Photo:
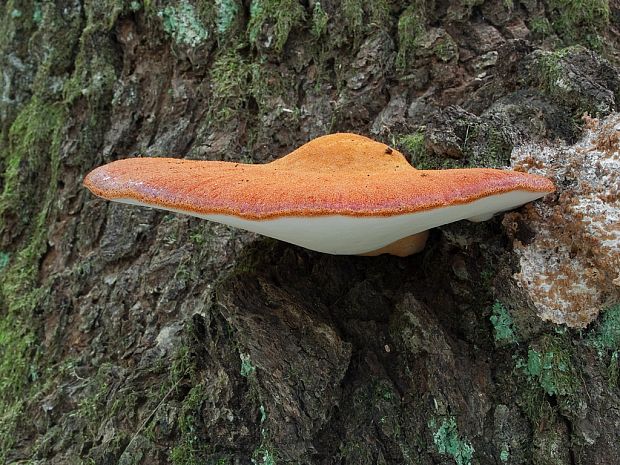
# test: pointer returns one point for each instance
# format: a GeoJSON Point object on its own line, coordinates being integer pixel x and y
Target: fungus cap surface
{"type": "Point", "coordinates": [341, 193]}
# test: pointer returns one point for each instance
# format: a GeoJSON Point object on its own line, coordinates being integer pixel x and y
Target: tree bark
{"type": "Point", "coordinates": [129, 335]}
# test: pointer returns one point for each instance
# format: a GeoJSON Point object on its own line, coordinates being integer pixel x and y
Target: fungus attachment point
{"type": "Point", "coordinates": [402, 247]}
{"type": "Point", "coordinates": [337, 194]}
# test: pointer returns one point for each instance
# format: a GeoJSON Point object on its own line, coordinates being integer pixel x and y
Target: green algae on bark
{"type": "Point", "coordinates": [35, 139]}
{"type": "Point", "coordinates": [448, 441]}
{"type": "Point", "coordinates": [549, 71]}
{"type": "Point", "coordinates": [502, 324]}
{"type": "Point", "coordinates": [580, 21]}
{"type": "Point", "coordinates": [30, 187]}
{"type": "Point", "coordinates": [606, 336]}
{"type": "Point", "coordinates": [182, 23]}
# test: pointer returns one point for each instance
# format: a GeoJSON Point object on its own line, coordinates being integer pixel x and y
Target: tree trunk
{"type": "Point", "coordinates": [129, 335]}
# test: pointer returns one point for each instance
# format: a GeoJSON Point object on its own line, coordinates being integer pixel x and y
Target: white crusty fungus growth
{"type": "Point", "coordinates": [341, 194]}
{"type": "Point", "coordinates": [570, 255]}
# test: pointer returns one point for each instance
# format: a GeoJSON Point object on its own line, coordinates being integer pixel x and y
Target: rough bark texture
{"type": "Point", "coordinates": [132, 336]}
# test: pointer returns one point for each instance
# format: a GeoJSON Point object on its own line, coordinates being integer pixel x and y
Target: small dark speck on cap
{"type": "Point", "coordinates": [388, 150]}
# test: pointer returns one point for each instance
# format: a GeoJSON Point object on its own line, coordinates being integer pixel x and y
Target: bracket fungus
{"type": "Point", "coordinates": [341, 194]}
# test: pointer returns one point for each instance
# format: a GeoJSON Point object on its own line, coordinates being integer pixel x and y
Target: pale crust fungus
{"type": "Point", "coordinates": [341, 194]}
{"type": "Point", "coordinates": [570, 255]}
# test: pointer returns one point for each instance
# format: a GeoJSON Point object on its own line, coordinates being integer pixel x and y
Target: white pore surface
{"type": "Point", "coordinates": [350, 235]}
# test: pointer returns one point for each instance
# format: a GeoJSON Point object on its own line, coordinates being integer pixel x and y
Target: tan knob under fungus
{"type": "Point", "coordinates": [341, 194]}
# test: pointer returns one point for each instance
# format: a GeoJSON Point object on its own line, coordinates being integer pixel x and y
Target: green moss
{"type": "Point", "coordinates": [15, 32]}
{"type": "Point", "coordinates": [230, 75]}
{"type": "Point", "coordinates": [201, 236]}
{"type": "Point", "coordinates": [548, 370]}
{"type": "Point", "coordinates": [235, 80]}
{"type": "Point", "coordinates": [102, 15]}
{"type": "Point", "coordinates": [606, 337]}
{"type": "Point", "coordinates": [551, 62]}
{"type": "Point", "coordinates": [540, 27]}
{"type": "Point", "coordinates": [184, 454]}
{"type": "Point", "coordinates": [382, 391]}
{"type": "Point", "coordinates": [33, 151]}
{"type": "Point", "coordinates": [358, 18]}
{"type": "Point", "coordinates": [446, 50]}
{"type": "Point", "coordinates": [378, 12]}
{"type": "Point", "coordinates": [353, 13]}
{"type": "Point", "coordinates": [190, 448]}
{"type": "Point", "coordinates": [54, 41]}
{"type": "Point", "coordinates": [267, 85]}
{"type": "Point", "coordinates": [534, 402]}
{"type": "Point", "coordinates": [182, 365]}
{"type": "Point", "coordinates": [549, 73]}
{"type": "Point", "coordinates": [480, 143]}
{"type": "Point", "coordinates": [606, 340]}
{"type": "Point", "coordinates": [502, 324]}
{"type": "Point", "coordinates": [30, 157]}
{"type": "Point", "coordinates": [448, 441]}
{"type": "Point", "coordinates": [413, 144]}
{"type": "Point", "coordinates": [93, 405]}
{"type": "Point", "coordinates": [183, 25]}
{"type": "Point", "coordinates": [411, 29]}
{"type": "Point", "coordinates": [319, 20]}
{"type": "Point", "coordinates": [30, 160]}
{"type": "Point", "coordinates": [190, 410]}
{"type": "Point", "coordinates": [497, 150]}
{"type": "Point", "coordinates": [282, 15]}
{"type": "Point", "coordinates": [92, 83]}
{"type": "Point", "coordinates": [579, 21]}
{"type": "Point", "coordinates": [93, 78]}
